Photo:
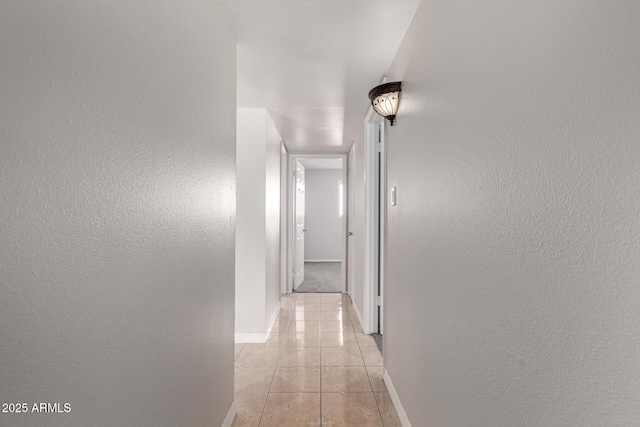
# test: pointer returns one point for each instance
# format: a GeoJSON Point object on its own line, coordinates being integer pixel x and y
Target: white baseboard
{"type": "Point", "coordinates": [250, 338]}
{"type": "Point", "coordinates": [322, 260]}
{"type": "Point", "coordinates": [355, 308]}
{"type": "Point", "coordinates": [242, 338]}
{"type": "Point", "coordinates": [272, 321]}
{"type": "Point", "coordinates": [402, 415]}
{"type": "Point", "coordinates": [230, 415]}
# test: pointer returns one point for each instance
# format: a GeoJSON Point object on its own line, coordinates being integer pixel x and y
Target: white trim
{"type": "Point", "coordinates": [357, 310]}
{"type": "Point", "coordinates": [291, 221]}
{"type": "Point", "coordinates": [349, 203]}
{"type": "Point", "coordinates": [283, 218]}
{"type": "Point", "coordinates": [341, 193]}
{"type": "Point", "coordinates": [291, 218]}
{"type": "Point", "coordinates": [402, 415]}
{"type": "Point", "coordinates": [272, 321]}
{"type": "Point", "coordinates": [242, 338]}
{"type": "Point", "coordinates": [382, 238]}
{"type": "Point", "coordinates": [230, 415]}
{"type": "Point", "coordinates": [322, 260]}
{"type": "Point", "coordinates": [371, 122]}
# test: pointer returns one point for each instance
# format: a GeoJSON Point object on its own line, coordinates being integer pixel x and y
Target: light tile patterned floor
{"type": "Point", "coordinates": [316, 369]}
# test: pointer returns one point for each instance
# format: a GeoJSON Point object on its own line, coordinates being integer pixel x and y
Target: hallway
{"type": "Point", "coordinates": [316, 369]}
{"type": "Point", "coordinates": [149, 158]}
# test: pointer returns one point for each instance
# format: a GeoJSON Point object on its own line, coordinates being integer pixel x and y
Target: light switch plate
{"type": "Point", "coordinates": [393, 196]}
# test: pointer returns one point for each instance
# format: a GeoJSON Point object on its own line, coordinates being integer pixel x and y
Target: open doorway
{"type": "Point", "coordinates": [317, 210]}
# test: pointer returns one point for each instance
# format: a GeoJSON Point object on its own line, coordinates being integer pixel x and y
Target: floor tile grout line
{"type": "Point", "coordinates": [372, 391]}
{"type": "Point", "coordinates": [371, 384]}
{"type": "Point", "coordinates": [321, 414]}
{"type": "Point", "coordinates": [291, 409]}
{"type": "Point", "coordinates": [264, 405]}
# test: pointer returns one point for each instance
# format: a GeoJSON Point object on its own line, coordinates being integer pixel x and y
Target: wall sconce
{"type": "Point", "coordinates": [385, 99]}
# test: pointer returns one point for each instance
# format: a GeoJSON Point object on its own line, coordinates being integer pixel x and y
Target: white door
{"type": "Point", "coordinates": [298, 268]}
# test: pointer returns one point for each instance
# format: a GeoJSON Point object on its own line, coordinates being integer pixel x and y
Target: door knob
{"type": "Point", "coordinates": [350, 233]}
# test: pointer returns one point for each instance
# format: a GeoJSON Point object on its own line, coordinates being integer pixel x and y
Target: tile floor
{"type": "Point", "coordinates": [316, 369]}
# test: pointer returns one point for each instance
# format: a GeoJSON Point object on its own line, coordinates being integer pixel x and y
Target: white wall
{"type": "Point", "coordinates": [258, 224]}
{"type": "Point", "coordinates": [323, 240]}
{"type": "Point", "coordinates": [118, 212]}
{"type": "Point", "coordinates": [272, 221]}
{"type": "Point", "coordinates": [512, 296]}
{"type": "Point", "coordinates": [250, 223]}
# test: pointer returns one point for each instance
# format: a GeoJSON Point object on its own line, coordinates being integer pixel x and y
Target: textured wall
{"type": "Point", "coordinates": [513, 295]}
{"type": "Point", "coordinates": [117, 212]}
{"type": "Point", "coordinates": [323, 240]}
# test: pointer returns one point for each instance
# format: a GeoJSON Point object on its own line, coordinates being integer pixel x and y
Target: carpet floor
{"type": "Point", "coordinates": [378, 339]}
{"type": "Point", "coordinates": [321, 277]}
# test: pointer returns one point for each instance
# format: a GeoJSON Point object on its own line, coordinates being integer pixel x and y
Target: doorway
{"type": "Point", "coordinates": [317, 208]}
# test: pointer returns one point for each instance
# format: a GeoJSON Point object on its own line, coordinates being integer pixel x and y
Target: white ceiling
{"type": "Point", "coordinates": [321, 163]}
{"type": "Point", "coordinates": [313, 62]}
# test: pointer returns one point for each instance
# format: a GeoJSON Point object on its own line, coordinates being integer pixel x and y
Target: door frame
{"type": "Point", "coordinates": [291, 193]}
{"type": "Point", "coordinates": [375, 210]}
{"type": "Point", "coordinates": [283, 218]}
{"type": "Point", "coordinates": [350, 210]}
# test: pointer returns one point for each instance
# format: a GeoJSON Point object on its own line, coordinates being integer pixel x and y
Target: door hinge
{"type": "Point", "coordinates": [378, 300]}
{"type": "Point", "coordinates": [378, 147]}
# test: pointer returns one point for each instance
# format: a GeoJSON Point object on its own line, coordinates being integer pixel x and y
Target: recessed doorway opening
{"type": "Point", "coordinates": [317, 243]}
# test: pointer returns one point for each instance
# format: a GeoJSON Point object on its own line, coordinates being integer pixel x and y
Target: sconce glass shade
{"type": "Point", "coordinates": [385, 99]}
